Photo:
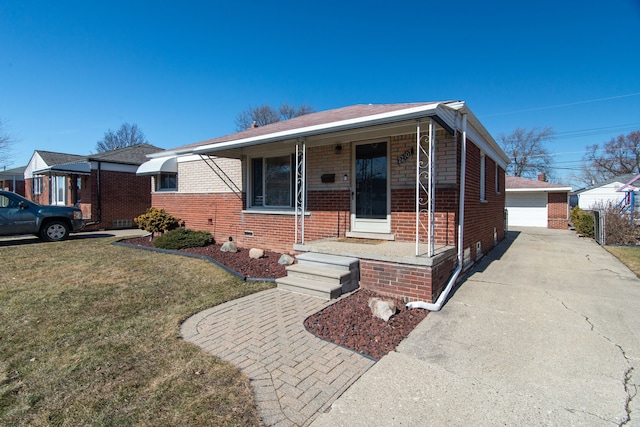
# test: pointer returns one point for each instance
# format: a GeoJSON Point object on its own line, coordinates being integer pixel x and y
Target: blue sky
{"type": "Point", "coordinates": [70, 70]}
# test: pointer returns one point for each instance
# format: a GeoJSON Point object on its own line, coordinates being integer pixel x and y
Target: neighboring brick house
{"type": "Point", "coordinates": [532, 203]}
{"type": "Point", "coordinates": [13, 180]}
{"type": "Point", "coordinates": [104, 185]}
{"type": "Point", "coordinates": [354, 181]}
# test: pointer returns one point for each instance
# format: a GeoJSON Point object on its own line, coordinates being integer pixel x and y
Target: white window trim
{"type": "Point", "coordinates": [283, 210]}
{"type": "Point", "coordinates": [158, 180]}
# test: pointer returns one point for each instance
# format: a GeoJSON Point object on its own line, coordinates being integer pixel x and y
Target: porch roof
{"type": "Point", "coordinates": [352, 119]}
{"type": "Point", "coordinates": [80, 168]}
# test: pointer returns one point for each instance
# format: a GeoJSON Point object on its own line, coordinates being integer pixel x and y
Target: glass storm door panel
{"type": "Point", "coordinates": [370, 211]}
{"type": "Point", "coordinates": [59, 190]}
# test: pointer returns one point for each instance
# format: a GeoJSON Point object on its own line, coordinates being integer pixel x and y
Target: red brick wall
{"type": "Point", "coordinates": [403, 216]}
{"type": "Point", "coordinates": [482, 217]}
{"type": "Point", "coordinates": [409, 282]}
{"type": "Point", "coordinates": [220, 214]}
{"type": "Point", "coordinates": [124, 196]}
{"type": "Point", "coordinates": [7, 185]}
{"type": "Point", "coordinates": [42, 198]}
{"type": "Point", "coordinates": [558, 211]}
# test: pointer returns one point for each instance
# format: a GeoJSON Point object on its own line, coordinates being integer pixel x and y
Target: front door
{"type": "Point", "coordinates": [370, 196]}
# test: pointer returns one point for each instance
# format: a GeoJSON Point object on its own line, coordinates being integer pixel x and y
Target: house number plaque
{"type": "Point", "coordinates": [405, 156]}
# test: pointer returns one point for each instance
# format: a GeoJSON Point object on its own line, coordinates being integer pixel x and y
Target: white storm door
{"type": "Point", "coordinates": [59, 190]}
{"type": "Point", "coordinates": [370, 204]}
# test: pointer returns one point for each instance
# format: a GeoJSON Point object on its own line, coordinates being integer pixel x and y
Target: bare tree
{"type": "Point", "coordinates": [266, 114]}
{"type": "Point", "coordinates": [619, 156]}
{"type": "Point", "coordinates": [6, 139]}
{"type": "Point", "coordinates": [527, 151]}
{"type": "Point", "coordinates": [127, 135]}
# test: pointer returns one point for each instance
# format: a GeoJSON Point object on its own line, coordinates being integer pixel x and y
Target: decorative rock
{"type": "Point", "coordinates": [382, 309]}
{"type": "Point", "coordinates": [228, 247]}
{"type": "Point", "coordinates": [256, 253]}
{"type": "Point", "coordinates": [286, 259]}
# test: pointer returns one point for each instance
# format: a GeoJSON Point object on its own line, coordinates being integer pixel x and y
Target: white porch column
{"type": "Point", "coordinates": [425, 184]}
{"type": "Point", "coordinates": [301, 179]}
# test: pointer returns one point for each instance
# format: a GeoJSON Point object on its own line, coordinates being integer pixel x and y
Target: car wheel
{"type": "Point", "coordinates": [54, 231]}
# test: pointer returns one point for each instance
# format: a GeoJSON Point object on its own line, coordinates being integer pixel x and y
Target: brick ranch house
{"type": "Point", "coordinates": [383, 187]}
{"type": "Point", "coordinates": [13, 180]}
{"type": "Point", "coordinates": [104, 185]}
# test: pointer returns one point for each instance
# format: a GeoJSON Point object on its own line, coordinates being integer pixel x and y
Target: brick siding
{"type": "Point", "coordinates": [558, 211]}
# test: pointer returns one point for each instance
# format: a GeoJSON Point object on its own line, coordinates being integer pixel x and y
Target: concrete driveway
{"type": "Point", "coordinates": [545, 330]}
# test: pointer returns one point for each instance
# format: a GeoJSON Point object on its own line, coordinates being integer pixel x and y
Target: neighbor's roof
{"type": "Point", "coordinates": [52, 158]}
{"type": "Point", "coordinates": [623, 179]}
{"type": "Point", "coordinates": [72, 163]}
{"type": "Point", "coordinates": [133, 154]}
{"type": "Point", "coordinates": [348, 119]}
{"type": "Point", "coordinates": [13, 172]}
{"type": "Point", "coordinates": [518, 184]}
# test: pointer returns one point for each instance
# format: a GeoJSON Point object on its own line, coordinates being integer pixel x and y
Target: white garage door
{"type": "Point", "coordinates": [527, 209]}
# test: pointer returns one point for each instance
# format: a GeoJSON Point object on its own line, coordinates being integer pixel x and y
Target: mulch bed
{"type": "Point", "coordinates": [240, 262]}
{"type": "Point", "coordinates": [348, 322]}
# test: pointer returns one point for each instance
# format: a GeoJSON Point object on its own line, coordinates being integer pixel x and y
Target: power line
{"type": "Point", "coordinates": [562, 105]}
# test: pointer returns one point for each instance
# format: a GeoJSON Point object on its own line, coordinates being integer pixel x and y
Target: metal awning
{"type": "Point", "coordinates": [157, 166]}
{"type": "Point", "coordinates": [79, 168]}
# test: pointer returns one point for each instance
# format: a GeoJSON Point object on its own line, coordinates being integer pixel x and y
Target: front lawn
{"type": "Point", "coordinates": [89, 335]}
{"type": "Point", "coordinates": [629, 255]}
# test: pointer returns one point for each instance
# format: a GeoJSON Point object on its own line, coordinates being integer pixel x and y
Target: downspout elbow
{"type": "Point", "coordinates": [443, 296]}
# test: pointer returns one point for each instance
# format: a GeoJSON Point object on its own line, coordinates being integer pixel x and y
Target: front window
{"type": "Point", "coordinates": [271, 181]}
{"type": "Point", "coordinates": [37, 185]}
{"type": "Point", "coordinates": [167, 182]}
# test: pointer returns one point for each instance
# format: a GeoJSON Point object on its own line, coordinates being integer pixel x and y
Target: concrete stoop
{"type": "Point", "coordinates": [321, 275]}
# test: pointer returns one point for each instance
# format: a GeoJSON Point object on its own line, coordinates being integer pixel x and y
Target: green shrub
{"type": "Point", "coordinates": [575, 213]}
{"type": "Point", "coordinates": [181, 238]}
{"type": "Point", "coordinates": [156, 221]}
{"type": "Point", "coordinates": [582, 221]}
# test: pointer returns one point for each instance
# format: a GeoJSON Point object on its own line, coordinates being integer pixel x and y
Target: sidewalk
{"type": "Point", "coordinates": [294, 375]}
{"type": "Point", "coordinates": [544, 333]}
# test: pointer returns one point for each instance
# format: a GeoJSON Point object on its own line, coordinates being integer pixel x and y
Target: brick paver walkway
{"type": "Point", "coordinates": [294, 374]}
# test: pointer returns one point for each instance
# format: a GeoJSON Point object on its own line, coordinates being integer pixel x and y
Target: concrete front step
{"type": "Point", "coordinates": [328, 261]}
{"type": "Point", "coordinates": [310, 287]}
{"type": "Point", "coordinates": [324, 274]}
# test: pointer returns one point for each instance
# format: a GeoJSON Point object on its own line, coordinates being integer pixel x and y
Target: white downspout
{"type": "Point", "coordinates": [452, 280]}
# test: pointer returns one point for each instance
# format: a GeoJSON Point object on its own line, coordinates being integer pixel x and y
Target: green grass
{"type": "Point", "coordinates": [629, 255]}
{"type": "Point", "coordinates": [89, 335]}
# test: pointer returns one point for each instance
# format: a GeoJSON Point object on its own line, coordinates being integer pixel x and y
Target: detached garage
{"type": "Point", "coordinates": [532, 203]}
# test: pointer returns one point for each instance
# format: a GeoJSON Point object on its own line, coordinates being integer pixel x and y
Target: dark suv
{"type": "Point", "coordinates": [52, 223]}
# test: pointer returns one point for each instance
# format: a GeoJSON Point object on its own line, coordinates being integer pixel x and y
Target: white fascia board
{"type": "Point", "coordinates": [539, 190]}
{"type": "Point", "coordinates": [480, 135]}
{"type": "Point", "coordinates": [376, 119]}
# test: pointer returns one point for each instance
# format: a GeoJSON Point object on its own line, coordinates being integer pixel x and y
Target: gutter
{"type": "Point", "coordinates": [452, 280]}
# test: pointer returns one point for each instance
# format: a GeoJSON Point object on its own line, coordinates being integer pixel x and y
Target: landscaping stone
{"type": "Point", "coordinates": [286, 259]}
{"type": "Point", "coordinates": [256, 253]}
{"type": "Point", "coordinates": [228, 247]}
